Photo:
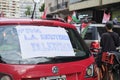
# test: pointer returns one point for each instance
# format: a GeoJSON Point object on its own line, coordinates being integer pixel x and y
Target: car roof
{"type": "Point", "coordinates": [96, 25]}
{"type": "Point", "coordinates": [102, 25]}
{"type": "Point", "coordinates": [39, 22]}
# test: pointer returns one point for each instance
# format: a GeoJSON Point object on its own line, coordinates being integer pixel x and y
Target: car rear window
{"type": "Point", "coordinates": [88, 35]}
{"type": "Point", "coordinates": [95, 32]}
{"type": "Point", "coordinates": [101, 30]}
{"type": "Point", "coordinates": [25, 42]}
{"type": "Point", "coordinates": [91, 33]}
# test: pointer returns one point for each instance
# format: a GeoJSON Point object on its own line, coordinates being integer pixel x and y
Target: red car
{"type": "Point", "coordinates": [43, 50]}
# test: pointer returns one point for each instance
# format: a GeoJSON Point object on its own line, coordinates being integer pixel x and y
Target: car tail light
{"type": "Point", "coordinates": [91, 71]}
{"type": "Point", "coordinates": [94, 47]}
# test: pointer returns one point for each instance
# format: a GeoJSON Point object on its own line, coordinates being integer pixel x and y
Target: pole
{"type": "Point", "coordinates": [33, 11]}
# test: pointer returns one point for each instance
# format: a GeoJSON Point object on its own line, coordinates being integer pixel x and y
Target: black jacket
{"type": "Point", "coordinates": [109, 41]}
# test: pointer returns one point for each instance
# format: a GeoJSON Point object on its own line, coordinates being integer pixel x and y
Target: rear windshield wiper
{"type": "Point", "coordinates": [61, 59]}
{"type": "Point", "coordinates": [1, 61]}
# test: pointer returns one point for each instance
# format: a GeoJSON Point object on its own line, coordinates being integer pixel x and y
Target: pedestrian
{"type": "Point", "coordinates": [110, 39]}
{"type": "Point", "coordinates": [109, 42]}
{"type": "Point", "coordinates": [115, 21]}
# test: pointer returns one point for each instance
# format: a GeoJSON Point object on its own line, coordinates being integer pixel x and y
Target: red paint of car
{"type": "Point", "coordinates": [79, 67]}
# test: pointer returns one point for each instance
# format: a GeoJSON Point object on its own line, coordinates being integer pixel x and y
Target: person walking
{"type": "Point", "coordinates": [109, 42]}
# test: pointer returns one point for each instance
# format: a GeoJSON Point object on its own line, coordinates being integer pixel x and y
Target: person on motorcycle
{"type": "Point", "coordinates": [109, 42]}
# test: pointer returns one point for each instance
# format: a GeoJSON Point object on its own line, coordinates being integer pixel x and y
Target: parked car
{"type": "Point", "coordinates": [93, 35]}
{"type": "Point", "coordinates": [32, 49]}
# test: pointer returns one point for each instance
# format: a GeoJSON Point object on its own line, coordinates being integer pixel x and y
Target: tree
{"type": "Point", "coordinates": [41, 9]}
{"type": "Point", "coordinates": [28, 11]}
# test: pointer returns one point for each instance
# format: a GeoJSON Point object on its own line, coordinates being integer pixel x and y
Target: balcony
{"type": "Point", "coordinates": [82, 4]}
{"type": "Point", "coordinates": [104, 2]}
{"type": "Point", "coordinates": [61, 6]}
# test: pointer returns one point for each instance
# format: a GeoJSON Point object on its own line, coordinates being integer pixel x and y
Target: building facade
{"type": "Point", "coordinates": [10, 8]}
{"type": "Point", "coordinates": [57, 7]}
{"type": "Point", "coordinates": [28, 5]}
{"type": "Point", "coordinates": [18, 8]}
{"type": "Point", "coordinates": [93, 9]}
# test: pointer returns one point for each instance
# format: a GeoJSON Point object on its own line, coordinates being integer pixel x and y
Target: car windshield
{"type": "Point", "coordinates": [25, 44]}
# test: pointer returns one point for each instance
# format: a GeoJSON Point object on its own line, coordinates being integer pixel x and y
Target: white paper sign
{"type": "Point", "coordinates": [44, 41]}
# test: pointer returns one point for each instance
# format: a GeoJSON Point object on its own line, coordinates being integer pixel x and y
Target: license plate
{"type": "Point", "coordinates": [63, 77]}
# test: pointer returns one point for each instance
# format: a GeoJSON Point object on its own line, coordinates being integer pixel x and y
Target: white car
{"type": "Point", "coordinates": [93, 35]}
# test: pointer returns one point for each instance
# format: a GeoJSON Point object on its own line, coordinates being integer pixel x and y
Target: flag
{"type": "Point", "coordinates": [44, 14]}
{"type": "Point", "coordinates": [83, 26]}
{"type": "Point", "coordinates": [74, 18]}
{"type": "Point", "coordinates": [69, 19]}
{"type": "Point", "coordinates": [83, 32]}
{"type": "Point", "coordinates": [106, 17]}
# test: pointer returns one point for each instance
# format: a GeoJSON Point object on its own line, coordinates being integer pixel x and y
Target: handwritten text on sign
{"type": "Point", "coordinates": [44, 41]}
